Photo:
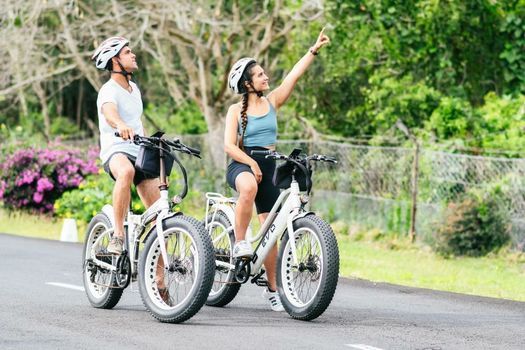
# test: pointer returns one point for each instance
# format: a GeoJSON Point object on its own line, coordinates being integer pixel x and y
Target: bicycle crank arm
{"type": "Point", "coordinates": [223, 264]}
{"type": "Point", "coordinates": [102, 264]}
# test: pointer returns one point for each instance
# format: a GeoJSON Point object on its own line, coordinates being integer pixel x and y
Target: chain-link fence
{"type": "Point", "coordinates": [371, 186]}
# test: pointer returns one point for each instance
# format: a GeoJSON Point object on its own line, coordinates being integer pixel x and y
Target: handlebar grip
{"type": "Point", "coordinates": [135, 137]}
{"type": "Point", "coordinates": [194, 150]}
{"type": "Point", "coordinates": [261, 153]}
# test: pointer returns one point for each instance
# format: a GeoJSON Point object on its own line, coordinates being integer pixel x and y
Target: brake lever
{"type": "Point", "coordinates": [276, 156]}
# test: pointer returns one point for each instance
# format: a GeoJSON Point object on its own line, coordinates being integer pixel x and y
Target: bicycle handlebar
{"type": "Point", "coordinates": [153, 142]}
{"type": "Point", "coordinates": [277, 155]}
{"type": "Point", "coordinates": [261, 153]}
{"type": "Point", "coordinates": [176, 143]}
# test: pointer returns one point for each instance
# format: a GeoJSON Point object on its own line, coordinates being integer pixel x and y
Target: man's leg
{"type": "Point", "coordinates": [148, 191]}
{"type": "Point", "coordinates": [123, 171]}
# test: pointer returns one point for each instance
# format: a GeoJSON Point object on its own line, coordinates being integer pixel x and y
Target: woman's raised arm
{"type": "Point", "coordinates": [279, 96]}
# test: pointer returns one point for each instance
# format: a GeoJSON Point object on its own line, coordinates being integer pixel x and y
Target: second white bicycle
{"type": "Point", "coordinates": [308, 259]}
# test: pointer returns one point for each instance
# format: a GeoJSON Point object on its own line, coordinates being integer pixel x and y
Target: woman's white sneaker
{"type": "Point", "coordinates": [242, 249]}
{"type": "Point", "coordinates": [274, 300]}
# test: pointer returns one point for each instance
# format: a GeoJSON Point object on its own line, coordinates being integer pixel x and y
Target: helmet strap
{"type": "Point", "coordinates": [122, 71]}
{"type": "Point", "coordinates": [259, 93]}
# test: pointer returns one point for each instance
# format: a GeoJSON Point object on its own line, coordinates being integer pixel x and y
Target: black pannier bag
{"type": "Point", "coordinates": [148, 160]}
{"type": "Point", "coordinates": [282, 178]}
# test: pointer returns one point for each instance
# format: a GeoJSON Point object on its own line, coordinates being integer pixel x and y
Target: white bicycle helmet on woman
{"type": "Point", "coordinates": [236, 73]}
{"type": "Point", "coordinates": [107, 50]}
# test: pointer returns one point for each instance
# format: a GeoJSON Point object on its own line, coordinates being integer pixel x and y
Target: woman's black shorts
{"type": "Point", "coordinates": [267, 193]}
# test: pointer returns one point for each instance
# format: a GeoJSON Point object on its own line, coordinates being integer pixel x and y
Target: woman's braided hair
{"type": "Point", "coordinates": [244, 119]}
{"type": "Point", "coordinates": [246, 77]}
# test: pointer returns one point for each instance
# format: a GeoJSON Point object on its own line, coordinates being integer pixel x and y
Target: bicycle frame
{"type": "Point", "coordinates": [136, 228]}
{"type": "Point", "coordinates": [293, 207]}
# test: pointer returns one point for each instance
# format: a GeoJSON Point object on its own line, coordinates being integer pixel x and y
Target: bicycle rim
{"type": "Point", "coordinates": [301, 282]}
{"type": "Point", "coordinates": [103, 278]}
{"type": "Point", "coordinates": [169, 288]}
{"type": "Point", "coordinates": [222, 245]}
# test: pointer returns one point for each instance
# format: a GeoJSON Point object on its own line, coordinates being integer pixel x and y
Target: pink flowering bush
{"type": "Point", "coordinates": [32, 179]}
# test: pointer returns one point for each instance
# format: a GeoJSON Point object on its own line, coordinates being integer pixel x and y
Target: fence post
{"type": "Point", "coordinates": [415, 177]}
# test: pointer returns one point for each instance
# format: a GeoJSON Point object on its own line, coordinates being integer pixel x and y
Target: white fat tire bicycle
{"type": "Point", "coordinates": [307, 266]}
{"type": "Point", "coordinates": [170, 241]}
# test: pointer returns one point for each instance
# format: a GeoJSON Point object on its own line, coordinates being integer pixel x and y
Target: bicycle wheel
{"type": "Point", "coordinates": [98, 280]}
{"type": "Point", "coordinates": [174, 294]}
{"type": "Point", "coordinates": [224, 288]}
{"type": "Point", "coordinates": [306, 289]}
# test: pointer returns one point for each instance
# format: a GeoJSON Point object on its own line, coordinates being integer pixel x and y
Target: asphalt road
{"type": "Point", "coordinates": [43, 306]}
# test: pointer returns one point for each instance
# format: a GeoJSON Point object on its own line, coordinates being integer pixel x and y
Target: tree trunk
{"type": "Point", "coordinates": [23, 103]}
{"type": "Point", "coordinates": [41, 93]}
{"type": "Point", "coordinates": [215, 139]}
{"type": "Point", "coordinates": [80, 102]}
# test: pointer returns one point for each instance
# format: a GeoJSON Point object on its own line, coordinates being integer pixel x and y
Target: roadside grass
{"type": "Point", "coordinates": [499, 275]}
{"type": "Point", "coordinates": [37, 226]}
{"type": "Point", "coordinates": [371, 256]}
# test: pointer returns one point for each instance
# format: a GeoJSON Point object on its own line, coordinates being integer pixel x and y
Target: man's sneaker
{"type": "Point", "coordinates": [242, 249]}
{"type": "Point", "coordinates": [274, 300]}
{"type": "Point", "coordinates": [115, 245]}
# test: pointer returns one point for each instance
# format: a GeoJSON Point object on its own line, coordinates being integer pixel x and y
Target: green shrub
{"type": "Point", "coordinates": [453, 118]}
{"type": "Point", "coordinates": [64, 127]}
{"type": "Point", "coordinates": [473, 227]}
{"type": "Point", "coordinates": [86, 201]}
{"type": "Point", "coordinates": [184, 119]}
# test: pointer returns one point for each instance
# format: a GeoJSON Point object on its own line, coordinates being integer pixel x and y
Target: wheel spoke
{"type": "Point", "coordinates": [222, 245]}
{"type": "Point", "coordinates": [171, 285]}
{"type": "Point", "coordinates": [301, 284]}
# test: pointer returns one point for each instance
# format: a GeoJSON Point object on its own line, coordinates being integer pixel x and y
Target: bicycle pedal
{"type": "Point", "coordinates": [243, 258]}
{"type": "Point", "coordinates": [261, 282]}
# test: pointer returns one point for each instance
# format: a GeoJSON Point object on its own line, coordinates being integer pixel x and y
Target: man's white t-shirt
{"type": "Point", "coordinates": [129, 107]}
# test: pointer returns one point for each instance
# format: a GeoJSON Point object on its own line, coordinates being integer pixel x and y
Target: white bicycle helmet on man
{"type": "Point", "coordinates": [107, 50]}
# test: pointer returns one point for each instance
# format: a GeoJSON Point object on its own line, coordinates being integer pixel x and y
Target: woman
{"type": "Point", "coordinates": [252, 124]}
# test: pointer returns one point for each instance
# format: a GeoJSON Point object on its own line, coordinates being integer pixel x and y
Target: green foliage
{"type": "Point", "coordinates": [13, 139]}
{"type": "Point", "coordinates": [391, 59]}
{"type": "Point", "coordinates": [503, 120]}
{"type": "Point", "coordinates": [429, 63]}
{"type": "Point", "coordinates": [388, 99]}
{"type": "Point", "coordinates": [473, 227]}
{"type": "Point", "coordinates": [453, 118]}
{"type": "Point", "coordinates": [63, 127]}
{"type": "Point", "coordinates": [92, 194]}
{"type": "Point", "coordinates": [186, 119]}
{"type": "Point", "coordinates": [513, 55]}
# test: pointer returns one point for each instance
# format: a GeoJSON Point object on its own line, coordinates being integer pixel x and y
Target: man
{"type": "Point", "coordinates": [119, 106]}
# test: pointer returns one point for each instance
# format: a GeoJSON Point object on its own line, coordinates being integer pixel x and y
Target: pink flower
{"type": "Point", "coordinates": [44, 184]}
{"type": "Point", "coordinates": [2, 188]}
{"type": "Point", "coordinates": [37, 197]}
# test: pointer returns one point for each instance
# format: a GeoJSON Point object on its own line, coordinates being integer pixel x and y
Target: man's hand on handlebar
{"type": "Point", "coordinates": [125, 131]}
